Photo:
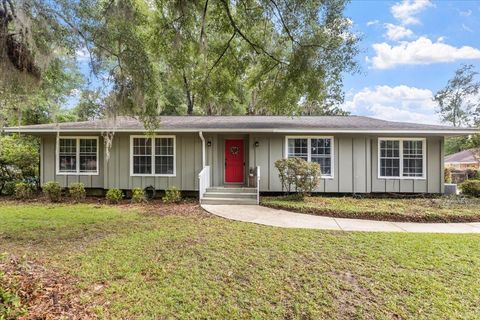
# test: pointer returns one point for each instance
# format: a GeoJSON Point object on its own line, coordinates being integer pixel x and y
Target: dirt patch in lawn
{"type": "Point", "coordinates": [441, 209]}
{"type": "Point", "coordinates": [43, 293]}
{"type": "Point", "coordinates": [159, 208]}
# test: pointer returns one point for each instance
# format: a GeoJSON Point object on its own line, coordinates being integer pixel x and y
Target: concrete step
{"type": "Point", "coordinates": [229, 201]}
{"type": "Point", "coordinates": [242, 195]}
{"type": "Point", "coordinates": [232, 190]}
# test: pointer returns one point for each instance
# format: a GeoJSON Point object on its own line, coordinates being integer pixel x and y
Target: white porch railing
{"type": "Point", "coordinates": [257, 173]}
{"type": "Point", "coordinates": [204, 181]}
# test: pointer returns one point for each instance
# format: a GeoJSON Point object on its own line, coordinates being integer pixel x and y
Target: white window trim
{"type": "Point", "coordinates": [309, 143]}
{"type": "Point", "coordinates": [401, 177]}
{"type": "Point", "coordinates": [174, 174]}
{"type": "Point", "coordinates": [77, 171]}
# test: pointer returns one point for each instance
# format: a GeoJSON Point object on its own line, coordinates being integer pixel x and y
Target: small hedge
{"type": "Point", "coordinates": [24, 190]}
{"type": "Point", "coordinates": [138, 195]}
{"type": "Point", "coordinates": [172, 195]}
{"type": "Point", "coordinates": [52, 191]}
{"type": "Point", "coordinates": [471, 188]}
{"type": "Point", "coordinates": [77, 191]}
{"type": "Point", "coordinates": [447, 175]}
{"type": "Point", "coordinates": [9, 188]}
{"type": "Point", "coordinates": [114, 195]}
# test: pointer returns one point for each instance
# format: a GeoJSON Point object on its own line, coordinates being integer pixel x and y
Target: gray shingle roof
{"type": "Point", "coordinates": [245, 123]}
{"type": "Point", "coordinates": [465, 156]}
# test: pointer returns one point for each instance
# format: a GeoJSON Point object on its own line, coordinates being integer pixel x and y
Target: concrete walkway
{"type": "Point", "coordinates": [287, 219]}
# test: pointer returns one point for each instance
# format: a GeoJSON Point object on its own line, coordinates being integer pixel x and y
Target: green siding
{"type": "Point", "coordinates": [355, 164]}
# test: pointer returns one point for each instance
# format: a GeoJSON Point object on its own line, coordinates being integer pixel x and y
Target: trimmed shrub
{"type": "Point", "coordinates": [298, 175]}
{"type": "Point", "coordinates": [471, 188]}
{"type": "Point", "coordinates": [471, 174]}
{"type": "Point", "coordinates": [77, 191]}
{"type": "Point", "coordinates": [114, 195]}
{"type": "Point", "coordinates": [9, 188]}
{"type": "Point", "coordinates": [24, 190]}
{"type": "Point", "coordinates": [172, 195]}
{"type": "Point", "coordinates": [448, 175]}
{"type": "Point", "coordinates": [138, 195]}
{"type": "Point", "coordinates": [52, 190]}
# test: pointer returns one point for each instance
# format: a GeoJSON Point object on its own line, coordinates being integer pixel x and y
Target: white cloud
{"type": "Point", "coordinates": [400, 103]}
{"type": "Point", "coordinates": [420, 51]}
{"type": "Point", "coordinates": [467, 13]}
{"type": "Point", "coordinates": [395, 32]}
{"type": "Point", "coordinates": [466, 28]}
{"type": "Point", "coordinates": [82, 54]}
{"type": "Point", "coordinates": [406, 10]}
{"type": "Point", "coordinates": [372, 23]}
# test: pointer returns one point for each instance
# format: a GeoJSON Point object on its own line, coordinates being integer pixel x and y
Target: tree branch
{"type": "Point", "coordinates": [258, 49]}
{"type": "Point", "coordinates": [221, 55]}
{"type": "Point", "coordinates": [283, 22]}
{"type": "Point", "coordinates": [204, 18]}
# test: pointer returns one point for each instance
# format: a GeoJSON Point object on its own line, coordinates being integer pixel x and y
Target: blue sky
{"type": "Point", "coordinates": [409, 50]}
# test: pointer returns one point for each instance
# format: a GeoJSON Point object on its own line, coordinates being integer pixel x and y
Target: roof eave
{"type": "Point", "coordinates": [366, 131]}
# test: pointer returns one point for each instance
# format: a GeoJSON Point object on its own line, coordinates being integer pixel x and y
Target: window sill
{"type": "Point", "coordinates": [153, 175]}
{"type": "Point", "coordinates": [77, 173]}
{"type": "Point", "coordinates": [402, 178]}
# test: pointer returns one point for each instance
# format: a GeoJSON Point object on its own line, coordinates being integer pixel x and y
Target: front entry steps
{"type": "Point", "coordinates": [230, 195]}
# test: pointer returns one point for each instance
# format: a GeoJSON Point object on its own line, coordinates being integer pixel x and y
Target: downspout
{"type": "Point", "coordinates": [200, 133]}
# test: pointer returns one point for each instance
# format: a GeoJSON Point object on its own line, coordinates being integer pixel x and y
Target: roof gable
{"type": "Point", "coordinates": [465, 156]}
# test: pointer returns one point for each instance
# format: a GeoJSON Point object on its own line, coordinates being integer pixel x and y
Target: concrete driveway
{"type": "Point", "coordinates": [286, 219]}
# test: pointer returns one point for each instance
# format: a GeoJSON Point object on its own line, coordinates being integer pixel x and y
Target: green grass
{"type": "Point", "coordinates": [441, 209]}
{"type": "Point", "coordinates": [191, 265]}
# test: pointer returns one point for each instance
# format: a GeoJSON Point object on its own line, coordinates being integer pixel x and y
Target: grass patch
{"type": "Point", "coordinates": [160, 264]}
{"type": "Point", "coordinates": [441, 209]}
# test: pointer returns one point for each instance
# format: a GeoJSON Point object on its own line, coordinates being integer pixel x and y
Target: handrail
{"type": "Point", "coordinates": [204, 181]}
{"type": "Point", "coordinates": [257, 171]}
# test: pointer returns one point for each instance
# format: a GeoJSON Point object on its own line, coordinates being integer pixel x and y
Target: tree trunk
{"type": "Point", "coordinates": [253, 103]}
{"type": "Point", "coordinates": [188, 93]}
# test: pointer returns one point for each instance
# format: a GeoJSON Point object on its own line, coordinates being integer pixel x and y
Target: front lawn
{"type": "Point", "coordinates": [175, 261]}
{"type": "Point", "coordinates": [441, 209]}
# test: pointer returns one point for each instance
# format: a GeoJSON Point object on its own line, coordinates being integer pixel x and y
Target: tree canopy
{"type": "Point", "coordinates": [38, 71]}
{"type": "Point", "coordinates": [458, 101]}
{"type": "Point", "coordinates": [459, 105]}
{"type": "Point", "coordinates": [184, 57]}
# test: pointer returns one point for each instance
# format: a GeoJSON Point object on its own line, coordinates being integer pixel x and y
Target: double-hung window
{"type": "Point", "coordinates": [152, 156]}
{"type": "Point", "coordinates": [77, 155]}
{"type": "Point", "coordinates": [401, 158]}
{"type": "Point", "coordinates": [313, 149]}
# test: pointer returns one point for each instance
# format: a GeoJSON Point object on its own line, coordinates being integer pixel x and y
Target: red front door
{"type": "Point", "coordinates": [234, 161]}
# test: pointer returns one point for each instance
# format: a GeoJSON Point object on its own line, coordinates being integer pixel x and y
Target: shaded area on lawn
{"type": "Point", "coordinates": [157, 263]}
{"type": "Point", "coordinates": [441, 209]}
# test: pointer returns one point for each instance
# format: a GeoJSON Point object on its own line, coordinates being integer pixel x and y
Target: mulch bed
{"type": "Point", "coordinates": [379, 216]}
{"type": "Point", "coordinates": [158, 207]}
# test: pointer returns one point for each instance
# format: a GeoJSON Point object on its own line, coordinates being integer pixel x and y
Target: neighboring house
{"type": "Point", "coordinates": [463, 160]}
{"type": "Point", "coordinates": [195, 153]}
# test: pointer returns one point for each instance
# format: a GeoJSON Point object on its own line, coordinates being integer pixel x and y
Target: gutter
{"type": "Point", "coordinates": [200, 133]}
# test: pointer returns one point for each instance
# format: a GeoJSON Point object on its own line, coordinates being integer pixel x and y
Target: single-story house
{"type": "Point", "coordinates": [224, 158]}
{"type": "Point", "coordinates": [463, 160]}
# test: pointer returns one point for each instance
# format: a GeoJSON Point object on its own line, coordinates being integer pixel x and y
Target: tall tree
{"type": "Point", "coordinates": [38, 72]}
{"type": "Point", "coordinates": [89, 107]}
{"type": "Point", "coordinates": [458, 101]}
{"type": "Point", "coordinates": [218, 56]}
{"type": "Point", "coordinates": [204, 57]}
